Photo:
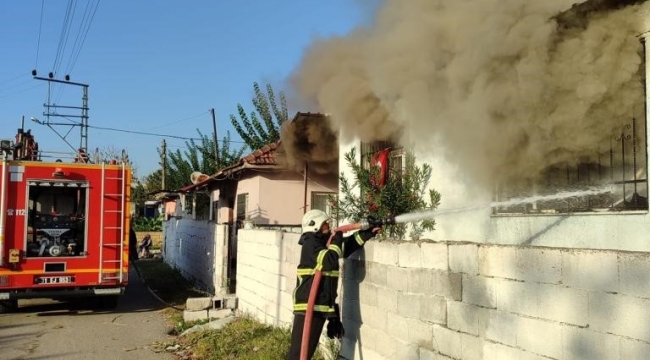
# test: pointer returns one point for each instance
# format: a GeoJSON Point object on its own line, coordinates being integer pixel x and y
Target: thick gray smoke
{"type": "Point", "coordinates": [501, 85]}
{"type": "Point", "coordinates": [308, 139]}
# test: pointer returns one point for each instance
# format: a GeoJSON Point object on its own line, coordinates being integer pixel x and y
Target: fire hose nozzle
{"type": "Point", "coordinates": [372, 222]}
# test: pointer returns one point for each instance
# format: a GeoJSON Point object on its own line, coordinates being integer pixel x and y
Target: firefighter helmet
{"type": "Point", "coordinates": [313, 220]}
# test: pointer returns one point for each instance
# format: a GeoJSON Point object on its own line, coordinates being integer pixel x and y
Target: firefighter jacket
{"type": "Point", "coordinates": [316, 256]}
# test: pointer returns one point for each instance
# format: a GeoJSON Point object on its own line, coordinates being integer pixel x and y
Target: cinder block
{"type": "Point", "coordinates": [632, 349]}
{"type": "Point", "coordinates": [581, 343]}
{"type": "Point", "coordinates": [472, 347]}
{"type": "Point", "coordinates": [397, 278]}
{"type": "Point", "coordinates": [501, 352]}
{"type": "Point", "coordinates": [198, 315]}
{"type": "Point", "coordinates": [386, 253]}
{"type": "Point", "coordinates": [386, 345]}
{"type": "Point", "coordinates": [518, 297]}
{"type": "Point", "coordinates": [373, 317]}
{"type": "Point", "coordinates": [479, 290]}
{"type": "Point", "coordinates": [230, 302]}
{"type": "Point", "coordinates": [435, 282]}
{"type": "Point", "coordinates": [409, 255]}
{"type": "Point", "coordinates": [540, 337]}
{"type": "Point", "coordinates": [367, 293]}
{"type": "Point", "coordinates": [500, 327]}
{"type": "Point", "coordinates": [426, 354]}
{"type": "Point", "coordinates": [540, 265]}
{"type": "Point", "coordinates": [447, 342]}
{"type": "Point", "coordinates": [219, 313]}
{"type": "Point", "coordinates": [420, 332]}
{"type": "Point", "coordinates": [435, 256]}
{"type": "Point", "coordinates": [464, 317]}
{"type": "Point", "coordinates": [408, 305]}
{"type": "Point", "coordinates": [397, 327]}
{"type": "Point", "coordinates": [590, 269]}
{"type": "Point", "coordinates": [566, 305]}
{"type": "Point", "coordinates": [620, 314]}
{"type": "Point", "coordinates": [433, 309]}
{"type": "Point", "coordinates": [195, 304]}
{"type": "Point", "coordinates": [377, 273]}
{"type": "Point", "coordinates": [406, 351]}
{"type": "Point", "coordinates": [634, 270]}
{"type": "Point", "coordinates": [387, 299]}
{"type": "Point", "coordinates": [464, 258]}
{"type": "Point", "coordinates": [498, 261]}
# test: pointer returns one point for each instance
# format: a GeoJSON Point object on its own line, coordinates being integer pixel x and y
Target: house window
{"type": "Point", "coordinates": [396, 158]}
{"type": "Point", "coordinates": [322, 201]}
{"type": "Point", "coordinates": [242, 207]}
{"type": "Point", "coordinates": [619, 161]}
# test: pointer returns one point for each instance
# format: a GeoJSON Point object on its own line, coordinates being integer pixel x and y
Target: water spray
{"type": "Point", "coordinates": [422, 215]}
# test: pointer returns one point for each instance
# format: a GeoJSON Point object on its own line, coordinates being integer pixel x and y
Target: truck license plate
{"type": "Point", "coordinates": [54, 280]}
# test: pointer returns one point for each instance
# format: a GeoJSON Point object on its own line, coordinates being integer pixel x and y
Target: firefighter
{"type": "Point", "coordinates": [315, 255]}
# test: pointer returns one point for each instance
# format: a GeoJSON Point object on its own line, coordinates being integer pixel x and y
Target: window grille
{"type": "Point", "coordinates": [620, 161]}
{"type": "Point", "coordinates": [396, 158]}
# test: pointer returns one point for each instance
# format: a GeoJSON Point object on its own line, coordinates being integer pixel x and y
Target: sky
{"type": "Point", "coordinates": [152, 66]}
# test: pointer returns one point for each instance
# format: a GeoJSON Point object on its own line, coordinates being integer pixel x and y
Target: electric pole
{"type": "Point", "coordinates": [216, 144]}
{"type": "Point", "coordinates": [164, 163]}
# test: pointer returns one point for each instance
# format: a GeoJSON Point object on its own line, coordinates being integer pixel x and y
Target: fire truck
{"type": "Point", "coordinates": [64, 226]}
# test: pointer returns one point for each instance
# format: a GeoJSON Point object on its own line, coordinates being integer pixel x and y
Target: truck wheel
{"type": "Point", "coordinates": [7, 306]}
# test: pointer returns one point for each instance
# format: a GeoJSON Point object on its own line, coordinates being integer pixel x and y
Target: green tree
{"type": "Point", "coordinates": [403, 193]}
{"type": "Point", "coordinates": [197, 156]}
{"type": "Point", "coordinates": [262, 126]}
{"type": "Point", "coordinates": [108, 153]}
{"type": "Point", "coordinates": [138, 196]}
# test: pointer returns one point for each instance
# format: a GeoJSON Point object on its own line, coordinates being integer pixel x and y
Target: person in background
{"type": "Point", "coordinates": [316, 255]}
{"type": "Point", "coordinates": [145, 245]}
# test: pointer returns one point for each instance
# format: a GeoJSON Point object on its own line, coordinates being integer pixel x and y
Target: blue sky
{"type": "Point", "coordinates": [154, 66]}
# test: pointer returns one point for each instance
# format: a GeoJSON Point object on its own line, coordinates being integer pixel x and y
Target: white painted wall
{"type": "Point", "coordinates": [199, 250]}
{"type": "Point", "coordinates": [621, 231]}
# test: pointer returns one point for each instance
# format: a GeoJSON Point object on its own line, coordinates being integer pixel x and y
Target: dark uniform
{"type": "Point", "coordinates": [315, 256]}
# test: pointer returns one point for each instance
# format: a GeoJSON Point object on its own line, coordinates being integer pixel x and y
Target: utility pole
{"type": "Point", "coordinates": [216, 144]}
{"type": "Point", "coordinates": [164, 163]}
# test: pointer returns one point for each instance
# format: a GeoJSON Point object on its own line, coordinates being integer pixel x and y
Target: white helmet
{"type": "Point", "coordinates": [313, 220]}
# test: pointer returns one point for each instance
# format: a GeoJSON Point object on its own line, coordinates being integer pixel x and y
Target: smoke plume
{"type": "Point", "coordinates": [502, 88]}
{"type": "Point", "coordinates": [309, 139]}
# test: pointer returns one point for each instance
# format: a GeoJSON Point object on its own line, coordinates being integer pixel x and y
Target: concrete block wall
{"type": "Point", "coordinates": [450, 300]}
{"type": "Point", "coordinates": [198, 249]}
{"type": "Point", "coordinates": [266, 274]}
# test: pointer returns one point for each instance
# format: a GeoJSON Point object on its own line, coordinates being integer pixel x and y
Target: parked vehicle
{"type": "Point", "coordinates": [64, 226]}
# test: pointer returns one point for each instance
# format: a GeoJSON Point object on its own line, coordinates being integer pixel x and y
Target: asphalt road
{"type": "Point", "coordinates": [44, 329]}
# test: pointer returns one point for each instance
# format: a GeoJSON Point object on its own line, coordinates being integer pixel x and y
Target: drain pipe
{"type": "Point", "coordinates": [3, 211]}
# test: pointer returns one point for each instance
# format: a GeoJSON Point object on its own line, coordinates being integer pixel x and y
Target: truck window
{"type": "Point", "coordinates": [56, 219]}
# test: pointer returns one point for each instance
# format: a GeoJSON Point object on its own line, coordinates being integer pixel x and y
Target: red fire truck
{"type": "Point", "coordinates": [64, 226]}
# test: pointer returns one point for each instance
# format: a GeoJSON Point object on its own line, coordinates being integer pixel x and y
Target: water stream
{"type": "Point", "coordinates": [422, 215]}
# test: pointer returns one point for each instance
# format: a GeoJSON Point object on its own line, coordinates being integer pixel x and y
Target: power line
{"type": "Point", "coordinates": [154, 134]}
{"type": "Point", "coordinates": [181, 120]}
{"type": "Point", "coordinates": [40, 27]}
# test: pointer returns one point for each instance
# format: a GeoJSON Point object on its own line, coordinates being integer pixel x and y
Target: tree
{"type": "Point", "coordinates": [198, 156]}
{"type": "Point", "coordinates": [262, 127]}
{"type": "Point", "coordinates": [108, 153]}
{"type": "Point", "coordinates": [404, 192]}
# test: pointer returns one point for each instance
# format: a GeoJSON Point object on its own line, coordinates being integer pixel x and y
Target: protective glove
{"type": "Point", "coordinates": [335, 328]}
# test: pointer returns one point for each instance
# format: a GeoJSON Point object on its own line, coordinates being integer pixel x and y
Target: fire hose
{"type": "Point", "coordinates": [364, 224]}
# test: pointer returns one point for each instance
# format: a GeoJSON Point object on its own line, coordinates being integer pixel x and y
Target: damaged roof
{"type": "Point", "coordinates": [266, 156]}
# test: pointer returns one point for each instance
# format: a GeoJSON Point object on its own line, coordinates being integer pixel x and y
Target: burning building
{"type": "Point", "coordinates": [505, 99]}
